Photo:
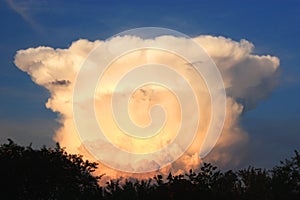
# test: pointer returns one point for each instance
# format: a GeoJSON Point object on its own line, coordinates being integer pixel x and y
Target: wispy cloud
{"type": "Point", "coordinates": [23, 9]}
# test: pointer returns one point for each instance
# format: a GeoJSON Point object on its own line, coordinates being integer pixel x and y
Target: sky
{"type": "Point", "coordinates": [273, 126]}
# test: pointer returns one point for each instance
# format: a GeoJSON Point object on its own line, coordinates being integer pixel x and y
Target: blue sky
{"type": "Point", "coordinates": [273, 27]}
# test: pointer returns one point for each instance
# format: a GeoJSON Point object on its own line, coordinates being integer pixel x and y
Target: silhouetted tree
{"type": "Point", "coordinates": [54, 174]}
{"type": "Point", "coordinates": [255, 183]}
{"type": "Point", "coordinates": [47, 173]}
{"type": "Point", "coordinates": [286, 179]}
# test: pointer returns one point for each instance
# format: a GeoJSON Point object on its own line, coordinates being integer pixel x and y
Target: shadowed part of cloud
{"type": "Point", "coordinates": [61, 82]}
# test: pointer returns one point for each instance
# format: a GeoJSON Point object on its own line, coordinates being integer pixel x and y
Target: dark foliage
{"type": "Point", "coordinates": [45, 174]}
{"type": "Point", "coordinates": [54, 174]}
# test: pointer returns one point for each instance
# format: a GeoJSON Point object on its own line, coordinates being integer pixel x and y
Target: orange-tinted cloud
{"type": "Point", "coordinates": [248, 78]}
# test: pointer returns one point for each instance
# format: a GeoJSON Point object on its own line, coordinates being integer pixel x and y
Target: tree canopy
{"type": "Point", "coordinates": [45, 174]}
{"type": "Point", "coordinates": [52, 173]}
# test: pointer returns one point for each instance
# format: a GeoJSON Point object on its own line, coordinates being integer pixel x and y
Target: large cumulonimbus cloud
{"type": "Point", "coordinates": [248, 79]}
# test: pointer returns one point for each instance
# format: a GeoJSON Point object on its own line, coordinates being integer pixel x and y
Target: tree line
{"type": "Point", "coordinates": [52, 173]}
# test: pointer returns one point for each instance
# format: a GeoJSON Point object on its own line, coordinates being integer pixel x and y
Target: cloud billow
{"type": "Point", "coordinates": [248, 79]}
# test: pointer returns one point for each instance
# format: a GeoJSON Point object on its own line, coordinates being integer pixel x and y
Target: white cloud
{"type": "Point", "coordinates": [248, 79]}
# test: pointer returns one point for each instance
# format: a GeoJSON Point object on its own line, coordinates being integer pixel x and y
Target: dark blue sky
{"type": "Point", "coordinates": [273, 27]}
